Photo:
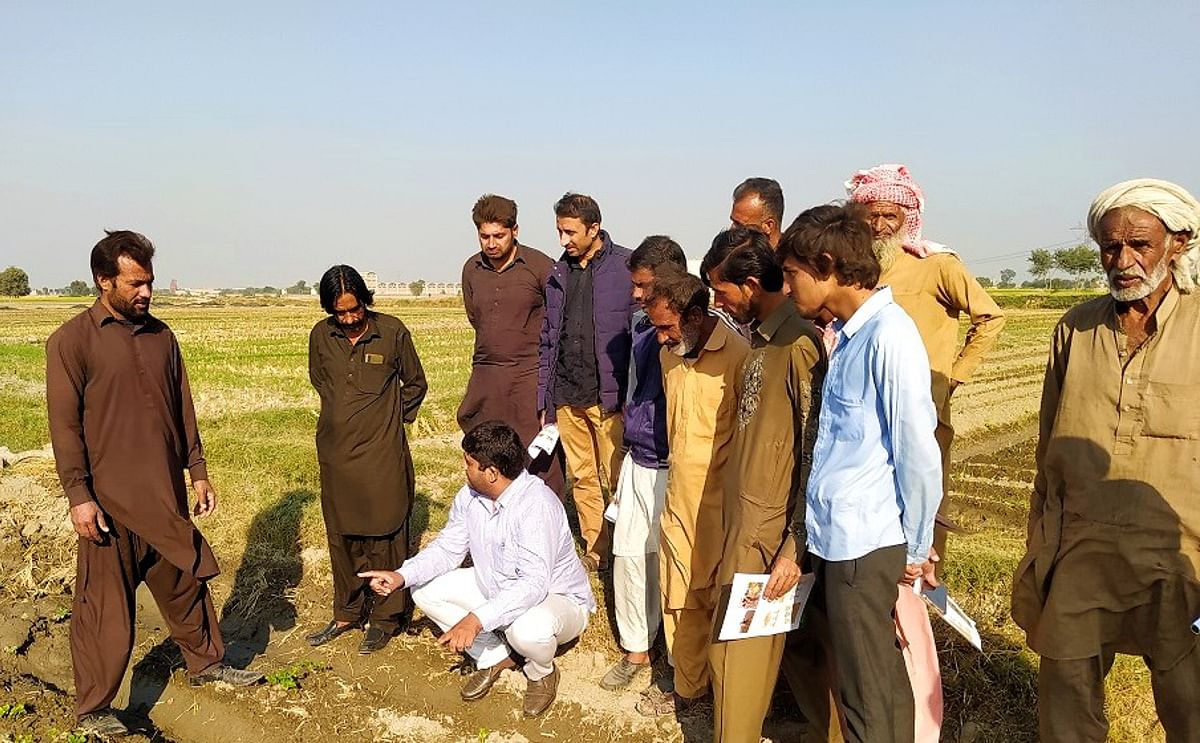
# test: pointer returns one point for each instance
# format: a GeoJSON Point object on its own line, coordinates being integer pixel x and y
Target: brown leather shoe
{"type": "Point", "coordinates": [481, 682]}
{"type": "Point", "coordinates": [539, 695]}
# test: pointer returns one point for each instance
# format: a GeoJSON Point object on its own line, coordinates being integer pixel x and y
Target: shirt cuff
{"type": "Point", "coordinates": [77, 494]}
{"type": "Point", "coordinates": [487, 615]}
{"type": "Point", "coordinates": [198, 471]}
{"type": "Point", "coordinates": [917, 556]}
{"type": "Point", "coordinates": [412, 578]}
{"type": "Point", "coordinates": [788, 548]}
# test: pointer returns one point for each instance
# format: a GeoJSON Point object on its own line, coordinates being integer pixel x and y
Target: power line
{"type": "Point", "coordinates": [1023, 253]}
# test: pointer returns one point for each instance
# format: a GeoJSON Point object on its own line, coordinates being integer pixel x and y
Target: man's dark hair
{"type": "Point", "coordinates": [768, 192]}
{"type": "Point", "coordinates": [656, 251]}
{"type": "Point", "coordinates": [340, 280]}
{"type": "Point", "coordinates": [740, 253]}
{"type": "Point", "coordinates": [580, 206]}
{"type": "Point", "coordinates": [491, 208]}
{"type": "Point", "coordinates": [682, 293]}
{"type": "Point", "coordinates": [112, 246]}
{"type": "Point", "coordinates": [496, 444]}
{"type": "Point", "coordinates": [834, 239]}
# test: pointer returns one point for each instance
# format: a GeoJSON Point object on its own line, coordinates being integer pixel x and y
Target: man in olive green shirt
{"type": "Point", "coordinates": [933, 286]}
{"type": "Point", "coordinates": [1113, 548]}
{"type": "Point", "coordinates": [770, 455]}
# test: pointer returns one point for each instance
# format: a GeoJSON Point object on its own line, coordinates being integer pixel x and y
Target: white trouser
{"type": "Point", "coordinates": [636, 600]}
{"type": "Point", "coordinates": [536, 634]}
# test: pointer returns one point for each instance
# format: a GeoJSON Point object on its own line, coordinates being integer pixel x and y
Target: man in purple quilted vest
{"type": "Point", "coordinates": [583, 364]}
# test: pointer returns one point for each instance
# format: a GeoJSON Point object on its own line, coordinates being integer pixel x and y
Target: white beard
{"type": "Point", "coordinates": [1142, 290]}
{"type": "Point", "coordinates": [887, 249]}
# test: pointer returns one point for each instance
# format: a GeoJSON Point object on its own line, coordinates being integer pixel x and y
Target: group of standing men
{"type": "Point", "coordinates": [700, 423]}
{"type": "Point", "coordinates": [801, 423]}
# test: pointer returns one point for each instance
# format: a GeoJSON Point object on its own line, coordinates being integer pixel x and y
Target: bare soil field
{"type": "Point", "coordinates": [257, 415]}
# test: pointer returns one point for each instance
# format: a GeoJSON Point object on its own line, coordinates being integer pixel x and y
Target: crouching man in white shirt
{"type": "Point", "coordinates": [527, 592]}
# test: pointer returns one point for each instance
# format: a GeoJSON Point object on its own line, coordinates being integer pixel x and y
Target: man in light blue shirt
{"type": "Point", "coordinates": [526, 592]}
{"type": "Point", "coordinates": [876, 478]}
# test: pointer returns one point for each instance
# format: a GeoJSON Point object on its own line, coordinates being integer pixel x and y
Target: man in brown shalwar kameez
{"type": "Point", "coordinates": [370, 381]}
{"type": "Point", "coordinates": [504, 293]}
{"type": "Point", "coordinates": [1113, 550]}
{"type": "Point", "coordinates": [770, 455]}
{"type": "Point", "coordinates": [931, 284]}
{"type": "Point", "coordinates": [124, 429]}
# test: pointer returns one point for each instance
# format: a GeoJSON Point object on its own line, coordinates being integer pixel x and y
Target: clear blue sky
{"type": "Point", "coordinates": [261, 142]}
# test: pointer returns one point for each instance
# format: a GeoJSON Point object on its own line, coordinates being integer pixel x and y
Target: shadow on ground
{"type": "Point", "coordinates": [259, 603]}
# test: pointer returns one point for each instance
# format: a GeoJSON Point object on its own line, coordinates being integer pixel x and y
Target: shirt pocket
{"type": "Point", "coordinates": [1171, 411]}
{"type": "Point", "coordinates": [845, 417]}
{"type": "Point", "coordinates": [506, 555]}
{"type": "Point", "coordinates": [372, 379]}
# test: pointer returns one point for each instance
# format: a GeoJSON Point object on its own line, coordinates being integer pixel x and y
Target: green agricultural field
{"type": "Point", "coordinates": [248, 369]}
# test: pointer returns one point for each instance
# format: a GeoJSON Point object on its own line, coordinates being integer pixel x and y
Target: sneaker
{"type": "Point", "coordinates": [102, 723]}
{"type": "Point", "coordinates": [227, 674]}
{"type": "Point", "coordinates": [622, 674]}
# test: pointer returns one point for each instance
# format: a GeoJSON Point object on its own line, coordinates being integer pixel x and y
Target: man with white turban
{"type": "Point", "coordinates": [933, 286]}
{"type": "Point", "coordinates": [1113, 547]}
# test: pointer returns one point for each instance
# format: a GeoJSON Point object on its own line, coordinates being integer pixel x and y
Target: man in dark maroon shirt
{"type": "Point", "coordinates": [124, 430]}
{"type": "Point", "coordinates": [504, 292]}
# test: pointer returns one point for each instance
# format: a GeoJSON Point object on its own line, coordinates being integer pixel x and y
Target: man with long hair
{"type": "Point", "coordinates": [366, 371]}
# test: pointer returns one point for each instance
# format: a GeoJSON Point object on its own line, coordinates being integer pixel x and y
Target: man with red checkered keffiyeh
{"type": "Point", "coordinates": [930, 282]}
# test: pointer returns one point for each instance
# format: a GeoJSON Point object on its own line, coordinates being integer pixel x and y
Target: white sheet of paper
{"type": "Point", "coordinates": [946, 608]}
{"type": "Point", "coordinates": [544, 442]}
{"type": "Point", "coordinates": [610, 513]}
{"type": "Point", "coordinates": [751, 615]}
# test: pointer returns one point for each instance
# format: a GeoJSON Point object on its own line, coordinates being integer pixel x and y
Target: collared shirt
{"type": "Point", "coordinates": [701, 407]}
{"type": "Point", "coordinates": [778, 395]}
{"type": "Point", "coordinates": [577, 381]}
{"type": "Point", "coordinates": [506, 307]}
{"type": "Point", "coordinates": [877, 469]}
{"type": "Point", "coordinates": [1114, 523]}
{"type": "Point", "coordinates": [934, 291]}
{"type": "Point", "coordinates": [368, 392]}
{"type": "Point", "coordinates": [520, 545]}
{"type": "Point", "coordinates": [124, 428]}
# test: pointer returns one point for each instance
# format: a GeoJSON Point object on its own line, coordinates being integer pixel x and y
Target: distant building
{"type": "Point", "coordinates": [401, 288]}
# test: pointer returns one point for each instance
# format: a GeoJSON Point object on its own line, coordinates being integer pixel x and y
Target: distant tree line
{"type": "Point", "coordinates": [14, 282]}
{"type": "Point", "coordinates": [1080, 264]}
